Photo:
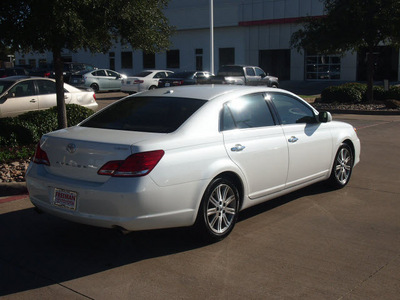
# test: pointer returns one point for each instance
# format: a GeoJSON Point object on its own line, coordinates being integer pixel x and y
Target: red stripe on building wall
{"type": "Point", "coordinates": [276, 21]}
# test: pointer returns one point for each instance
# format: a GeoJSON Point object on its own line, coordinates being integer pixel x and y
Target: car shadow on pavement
{"type": "Point", "coordinates": [39, 250]}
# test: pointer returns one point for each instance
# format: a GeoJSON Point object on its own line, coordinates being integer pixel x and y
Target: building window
{"type": "Point", "coordinates": [111, 57]}
{"type": "Point", "coordinates": [149, 60]}
{"type": "Point", "coordinates": [226, 56]}
{"type": "Point", "coordinates": [32, 63]}
{"type": "Point", "coordinates": [126, 60]}
{"type": "Point", "coordinates": [42, 63]}
{"type": "Point", "coordinates": [199, 59]}
{"type": "Point", "coordinates": [323, 67]}
{"type": "Point", "coordinates": [173, 59]}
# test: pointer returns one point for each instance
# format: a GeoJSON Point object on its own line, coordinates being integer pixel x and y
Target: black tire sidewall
{"type": "Point", "coordinates": [95, 87]}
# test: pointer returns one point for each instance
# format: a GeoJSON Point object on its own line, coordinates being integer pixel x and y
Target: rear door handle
{"type": "Point", "coordinates": [237, 148]}
{"type": "Point", "coordinates": [293, 139]}
{"type": "Point", "coordinates": [33, 101]}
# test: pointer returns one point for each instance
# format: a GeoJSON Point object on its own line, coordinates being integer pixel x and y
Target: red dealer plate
{"type": "Point", "coordinates": [65, 199]}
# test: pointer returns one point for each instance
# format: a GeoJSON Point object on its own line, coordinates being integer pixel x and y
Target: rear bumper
{"type": "Point", "coordinates": [130, 203]}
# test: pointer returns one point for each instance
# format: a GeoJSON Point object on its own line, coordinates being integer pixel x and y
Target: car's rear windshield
{"type": "Point", "coordinates": [231, 71]}
{"type": "Point", "coordinates": [182, 75]}
{"type": "Point", "coordinates": [146, 114]}
{"type": "Point", "coordinates": [142, 74]}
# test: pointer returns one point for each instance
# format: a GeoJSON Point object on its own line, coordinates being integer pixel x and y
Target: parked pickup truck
{"type": "Point", "coordinates": [243, 75]}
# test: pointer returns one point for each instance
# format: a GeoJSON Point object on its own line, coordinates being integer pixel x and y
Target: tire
{"type": "Point", "coordinates": [342, 167]}
{"type": "Point", "coordinates": [218, 211]}
{"type": "Point", "coordinates": [153, 87]}
{"type": "Point", "coordinates": [95, 87]}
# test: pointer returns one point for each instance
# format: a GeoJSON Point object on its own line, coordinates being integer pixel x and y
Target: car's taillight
{"type": "Point", "coordinates": [138, 164]}
{"type": "Point", "coordinates": [94, 96]}
{"type": "Point", "coordinates": [47, 74]}
{"type": "Point", "coordinates": [138, 81]}
{"type": "Point", "coordinates": [41, 156]}
{"type": "Point", "coordinates": [178, 82]}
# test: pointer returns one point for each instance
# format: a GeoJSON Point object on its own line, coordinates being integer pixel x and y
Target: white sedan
{"type": "Point", "coordinates": [145, 80]}
{"type": "Point", "coordinates": [192, 155]}
{"type": "Point", "coordinates": [20, 94]}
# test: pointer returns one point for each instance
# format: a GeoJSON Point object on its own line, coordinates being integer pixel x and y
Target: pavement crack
{"type": "Point", "coordinates": [369, 277]}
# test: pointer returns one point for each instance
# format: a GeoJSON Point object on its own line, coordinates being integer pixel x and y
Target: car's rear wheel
{"type": "Point", "coordinates": [218, 210]}
{"type": "Point", "coordinates": [94, 87]}
{"type": "Point", "coordinates": [342, 167]}
{"type": "Point", "coordinates": [152, 87]}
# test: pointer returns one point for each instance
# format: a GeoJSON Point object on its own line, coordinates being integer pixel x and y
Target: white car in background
{"type": "Point", "coordinates": [20, 94]}
{"type": "Point", "coordinates": [145, 80]}
{"type": "Point", "coordinates": [188, 155]}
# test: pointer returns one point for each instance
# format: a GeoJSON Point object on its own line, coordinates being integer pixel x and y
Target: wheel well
{"type": "Point", "coordinates": [235, 179]}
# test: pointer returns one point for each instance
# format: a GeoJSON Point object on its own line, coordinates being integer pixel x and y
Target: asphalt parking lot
{"type": "Point", "coordinates": [315, 243]}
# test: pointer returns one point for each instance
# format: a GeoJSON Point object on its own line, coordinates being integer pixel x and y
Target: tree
{"type": "Point", "coordinates": [352, 25]}
{"type": "Point", "coordinates": [92, 25]}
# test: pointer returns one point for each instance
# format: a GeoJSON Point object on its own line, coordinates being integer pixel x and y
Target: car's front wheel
{"type": "Point", "coordinates": [219, 209]}
{"type": "Point", "coordinates": [342, 167]}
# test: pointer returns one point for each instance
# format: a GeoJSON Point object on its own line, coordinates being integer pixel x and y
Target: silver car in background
{"type": "Point", "coordinates": [188, 155]}
{"type": "Point", "coordinates": [99, 80]}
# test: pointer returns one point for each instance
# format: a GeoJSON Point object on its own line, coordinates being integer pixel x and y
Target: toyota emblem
{"type": "Point", "coordinates": [71, 148]}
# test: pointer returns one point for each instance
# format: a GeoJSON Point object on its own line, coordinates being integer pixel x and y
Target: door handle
{"type": "Point", "coordinates": [237, 148]}
{"type": "Point", "coordinates": [293, 139]}
{"type": "Point", "coordinates": [33, 101]}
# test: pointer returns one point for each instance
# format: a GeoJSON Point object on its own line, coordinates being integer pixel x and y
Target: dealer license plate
{"type": "Point", "coordinates": [167, 84]}
{"type": "Point", "coordinates": [65, 199]}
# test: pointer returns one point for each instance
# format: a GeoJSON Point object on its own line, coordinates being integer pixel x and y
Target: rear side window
{"type": "Point", "coordinates": [146, 114]}
{"type": "Point", "coordinates": [46, 87]}
{"type": "Point", "coordinates": [250, 72]}
{"type": "Point", "coordinates": [249, 111]}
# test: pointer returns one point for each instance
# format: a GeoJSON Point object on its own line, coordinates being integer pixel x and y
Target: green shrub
{"type": "Point", "coordinates": [393, 93]}
{"type": "Point", "coordinates": [356, 93]}
{"type": "Point", "coordinates": [379, 93]}
{"type": "Point", "coordinates": [348, 93]}
{"type": "Point", "coordinates": [27, 128]}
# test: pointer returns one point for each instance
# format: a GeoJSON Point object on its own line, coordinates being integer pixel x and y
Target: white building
{"type": "Point", "coordinates": [253, 32]}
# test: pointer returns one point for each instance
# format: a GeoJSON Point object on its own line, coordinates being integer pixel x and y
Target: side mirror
{"type": "Point", "coordinates": [263, 75]}
{"type": "Point", "coordinates": [324, 117]}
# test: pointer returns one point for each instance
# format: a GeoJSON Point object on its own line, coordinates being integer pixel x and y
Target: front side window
{"type": "Point", "coordinates": [146, 114]}
{"type": "Point", "coordinates": [291, 110]}
{"type": "Point", "coordinates": [260, 72]}
{"type": "Point", "coordinates": [112, 74]}
{"type": "Point", "coordinates": [248, 111]}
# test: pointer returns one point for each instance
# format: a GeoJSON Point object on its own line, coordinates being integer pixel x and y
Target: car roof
{"type": "Point", "coordinates": [23, 77]}
{"type": "Point", "coordinates": [205, 91]}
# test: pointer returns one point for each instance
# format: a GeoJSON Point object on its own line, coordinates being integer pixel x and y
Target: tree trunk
{"type": "Point", "coordinates": [58, 68]}
{"type": "Point", "coordinates": [370, 75]}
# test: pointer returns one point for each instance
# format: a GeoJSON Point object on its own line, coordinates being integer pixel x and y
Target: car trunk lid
{"type": "Point", "coordinates": [79, 152]}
